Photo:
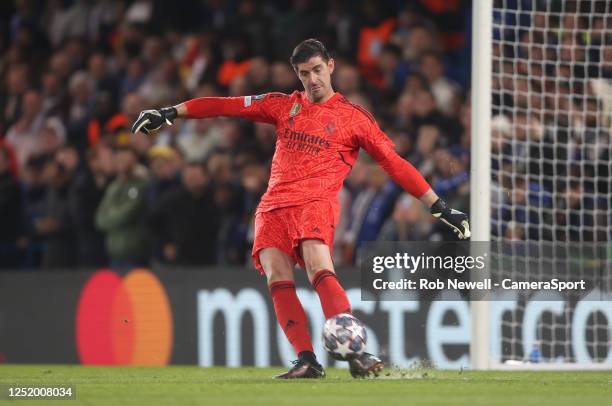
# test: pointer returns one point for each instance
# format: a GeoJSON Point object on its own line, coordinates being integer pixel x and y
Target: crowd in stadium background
{"type": "Point", "coordinates": [552, 71]}
{"type": "Point", "coordinates": [75, 75]}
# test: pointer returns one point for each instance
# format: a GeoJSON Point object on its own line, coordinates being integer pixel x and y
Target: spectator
{"type": "Point", "coordinates": [105, 82]}
{"type": "Point", "coordinates": [165, 166]}
{"type": "Point", "coordinates": [34, 193]}
{"type": "Point", "coordinates": [347, 79]}
{"type": "Point", "coordinates": [66, 20]}
{"type": "Point", "coordinates": [86, 194]}
{"type": "Point", "coordinates": [258, 76]}
{"type": "Point", "coordinates": [11, 97]}
{"type": "Point", "coordinates": [445, 91]}
{"type": "Point", "coordinates": [421, 38]}
{"type": "Point", "coordinates": [250, 19]}
{"type": "Point", "coordinates": [134, 78]}
{"type": "Point", "coordinates": [56, 100]}
{"type": "Point", "coordinates": [121, 213]}
{"type": "Point", "coordinates": [186, 220]}
{"type": "Point", "coordinates": [81, 109]}
{"type": "Point", "coordinates": [371, 207]}
{"type": "Point", "coordinates": [410, 221]}
{"type": "Point", "coordinates": [164, 163]}
{"type": "Point", "coordinates": [354, 202]}
{"type": "Point", "coordinates": [404, 110]}
{"type": "Point", "coordinates": [265, 135]}
{"type": "Point", "coordinates": [373, 35]}
{"type": "Point", "coordinates": [428, 138]}
{"type": "Point", "coordinates": [254, 181]}
{"type": "Point", "coordinates": [51, 137]}
{"type": "Point", "coordinates": [283, 79]}
{"type": "Point", "coordinates": [198, 138]}
{"type": "Point", "coordinates": [23, 135]}
{"type": "Point", "coordinates": [55, 226]}
{"type": "Point", "coordinates": [451, 178]}
{"type": "Point", "coordinates": [385, 192]}
{"type": "Point", "coordinates": [426, 113]}
{"type": "Point", "coordinates": [61, 65]}
{"type": "Point", "coordinates": [393, 70]}
{"type": "Point", "coordinates": [162, 85]}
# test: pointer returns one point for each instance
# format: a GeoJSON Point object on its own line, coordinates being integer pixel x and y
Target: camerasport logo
{"type": "Point", "coordinates": [124, 321]}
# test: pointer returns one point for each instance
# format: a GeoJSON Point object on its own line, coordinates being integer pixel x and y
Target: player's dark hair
{"type": "Point", "coordinates": [308, 49]}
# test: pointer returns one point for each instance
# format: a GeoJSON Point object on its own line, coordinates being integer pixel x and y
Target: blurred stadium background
{"type": "Point", "coordinates": [77, 73]}
{"type": "Point", "coordinates": [165, 278]}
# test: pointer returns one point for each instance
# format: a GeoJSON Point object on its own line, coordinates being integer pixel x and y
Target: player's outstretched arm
{"type": "Point", "coordinates": [263, 108]}
{"type": "Point", "coordinates": [380, 147]}
{"type": "Point", "coordinates": [407, 176]}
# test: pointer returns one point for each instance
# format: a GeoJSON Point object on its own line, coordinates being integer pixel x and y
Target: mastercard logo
{"type": "Point", "coordinates": [124, 321]}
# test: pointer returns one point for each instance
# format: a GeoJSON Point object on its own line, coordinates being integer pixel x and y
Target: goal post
{"type": "Point", "coordinates": [480, 168]}
{"type": "Point", "coordinates": [541, 176]}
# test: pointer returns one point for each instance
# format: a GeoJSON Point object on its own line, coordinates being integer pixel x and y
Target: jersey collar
{"type": "Point", "coordinates": [332, 100]}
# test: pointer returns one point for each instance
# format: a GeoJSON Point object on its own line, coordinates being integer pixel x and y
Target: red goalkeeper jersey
{"type": "Point", "coordinates": [316, 144]}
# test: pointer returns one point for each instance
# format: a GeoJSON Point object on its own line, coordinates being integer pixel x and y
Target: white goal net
{"type": "Point", "coordinates": [551, 177]}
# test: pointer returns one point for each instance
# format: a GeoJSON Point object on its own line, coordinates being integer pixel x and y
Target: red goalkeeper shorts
{"type": "Point", "coordinates": [286, 227]}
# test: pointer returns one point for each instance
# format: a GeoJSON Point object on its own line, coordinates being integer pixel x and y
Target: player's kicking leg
{"type": "Point", "coordinates": [278, 267]}
{"type": "Point", "coordinates": [320, 269]}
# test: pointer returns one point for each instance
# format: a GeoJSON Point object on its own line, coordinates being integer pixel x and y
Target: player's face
{"type": "Point", "coordinates": [315, 75]}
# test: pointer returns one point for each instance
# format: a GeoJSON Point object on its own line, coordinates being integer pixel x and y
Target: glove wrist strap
{"type": "Point", "coordinates": [438, 207]}
{"type": "Point", "coordinates": [169, 113]}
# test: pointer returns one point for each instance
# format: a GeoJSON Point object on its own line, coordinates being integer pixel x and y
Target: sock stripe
{"type": "Point", "coordinates": [274, 286]}
{"type": "Point", "coordinates": [321, 275]}
{"type": "Point", "coordinates": [331, 295]}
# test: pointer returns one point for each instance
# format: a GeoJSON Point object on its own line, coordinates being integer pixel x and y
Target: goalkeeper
{"type": "Point", "coordinates": [319, 134]}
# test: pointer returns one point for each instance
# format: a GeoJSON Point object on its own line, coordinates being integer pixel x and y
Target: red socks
{"type": "Point", "coordinates": [332, 296]}
{"type": "Point", "coordinates": [290, 315]}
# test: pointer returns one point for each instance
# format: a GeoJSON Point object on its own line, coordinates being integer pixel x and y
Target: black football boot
{"type": "Point", "coordinates": [365, 365]}
{"type": "Point", "coordinates": [306, 366]}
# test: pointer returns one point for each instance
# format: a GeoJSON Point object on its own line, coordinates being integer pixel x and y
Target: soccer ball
{"type": "Point", "coordinates": [344, 336]}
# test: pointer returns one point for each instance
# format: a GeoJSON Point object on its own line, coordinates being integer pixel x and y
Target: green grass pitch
{"type": "Point", "coordinates": [254, 386]}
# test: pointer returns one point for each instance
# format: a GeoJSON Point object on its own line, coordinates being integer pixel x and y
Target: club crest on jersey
{"type": "Point", "coordinates": [295, 109]}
